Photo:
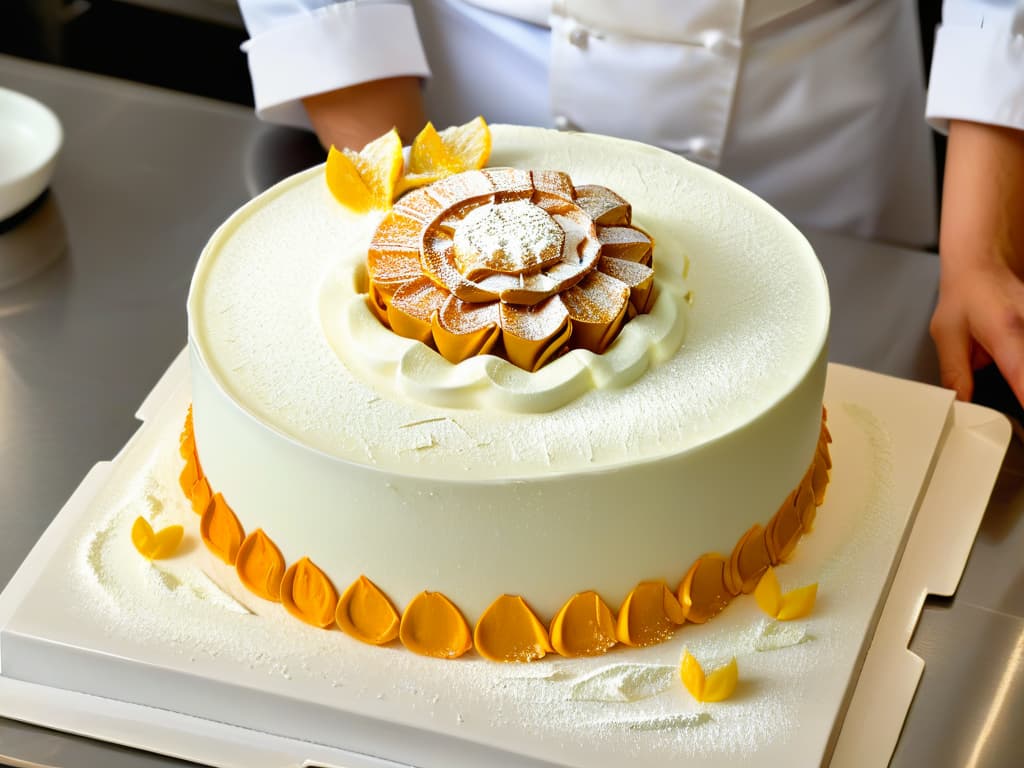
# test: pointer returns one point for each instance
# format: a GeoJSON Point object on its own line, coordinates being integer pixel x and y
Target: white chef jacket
{"type": "Point", "coordinates": [815, 105]}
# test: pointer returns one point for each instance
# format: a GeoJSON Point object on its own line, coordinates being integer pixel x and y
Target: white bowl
{"type": "Point", "coordinates": [30, 138]}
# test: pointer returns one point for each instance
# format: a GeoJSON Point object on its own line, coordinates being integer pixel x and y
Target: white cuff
{"type": "Point", "coordinates": [332, 47]}
{"type": "Point", "coordinates": [977, 75]}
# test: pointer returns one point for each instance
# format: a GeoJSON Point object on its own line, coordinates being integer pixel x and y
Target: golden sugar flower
{"type": "Point", "coordinates": [510, 262]}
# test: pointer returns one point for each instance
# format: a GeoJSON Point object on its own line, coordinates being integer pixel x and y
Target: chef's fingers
{"type": "Point", "coordinates": [1002, 334]}
{"type": "Point", "coordinates": [953, 344]}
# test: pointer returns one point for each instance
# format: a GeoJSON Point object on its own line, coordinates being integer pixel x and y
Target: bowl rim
{"type": "Point", "coordinates": [18, 107]}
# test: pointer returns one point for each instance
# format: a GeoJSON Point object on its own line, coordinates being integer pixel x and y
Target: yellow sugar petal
{"type": "Point", "coordinates": [380, 164]}
{"type": "Point", "coordinates": [692, 676]}
{"type": "Point", "coordinates": [768, 593]}
{"type": "Point", "coordinates": [721, 683]}
{"type": "Point", "coordinates": [345, 182]}
{"type": "Point", "coordinates": [155, 546]}
{"type": "Point", "coordinates": [428, 153]}
{"type": "Point", "coordinates": [167, 541]}
{"type": "Point", "coordinates": [798, 603]}
{"type": "Point", "coordinates": [410, 181]}
{"type": "Point", "coordinates": [469, 143]}
{"type": "Point", "coordinates": [143, 537]}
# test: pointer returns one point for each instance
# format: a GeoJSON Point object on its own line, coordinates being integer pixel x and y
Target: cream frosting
{"type": "Point", "coordinates": [619, 484]}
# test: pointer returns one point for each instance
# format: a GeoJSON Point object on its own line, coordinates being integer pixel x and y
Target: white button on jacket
{"type": "Point", "coordinates": [816, 105]}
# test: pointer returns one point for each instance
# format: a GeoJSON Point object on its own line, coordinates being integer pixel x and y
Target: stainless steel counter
{"type": "Point", "coordinates": [145, 177]}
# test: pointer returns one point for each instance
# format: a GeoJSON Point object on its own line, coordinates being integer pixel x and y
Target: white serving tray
{"type": "Point", "coordinates": [228, 686]}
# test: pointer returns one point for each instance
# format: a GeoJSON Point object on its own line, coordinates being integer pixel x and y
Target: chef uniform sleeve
{"type": "Point", "coordinates": [978, 64]}
{"type": "Point", "coordinates": [298, 48]}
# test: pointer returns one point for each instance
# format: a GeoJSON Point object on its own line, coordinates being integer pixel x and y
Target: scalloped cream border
{"type": "Point", "coordinates": [408, 368]}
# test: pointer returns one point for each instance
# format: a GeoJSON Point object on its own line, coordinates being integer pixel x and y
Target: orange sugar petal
{"type": "Point", "coordinates": [365, 613]}
{"type": "Point", "coordinates": [201, 496]}
{"type": "Point", "coordinates": [432, 626]}
{"type": "Point", "coordinates": [584, 626]}
{"type": "Point", "coordinates": [221, 530]}
{"type": "Point", "coordinates": [648, 615]}
{"type": "Point", "coordinates": [703, 592]}
{"type": "Point", "coordinates": [509, 631]}
{"type": "Point", "coordinates": [260, 566]}
{"type": "Point", "coordinates": [308, 594]}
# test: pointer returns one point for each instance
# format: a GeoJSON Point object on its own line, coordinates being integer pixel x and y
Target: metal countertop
{"type": "Point", "coordinates": [144, 178]}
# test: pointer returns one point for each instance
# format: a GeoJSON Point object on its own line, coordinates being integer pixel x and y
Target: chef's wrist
{"type": "Point", "coordinates": [983, 196]}
{"type": "Point", "coordinates": [353, 116]}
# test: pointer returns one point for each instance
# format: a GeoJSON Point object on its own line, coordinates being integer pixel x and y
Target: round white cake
{"type": "Point", "coordinates": [370, 454]}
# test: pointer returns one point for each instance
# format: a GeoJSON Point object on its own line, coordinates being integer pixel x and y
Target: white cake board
{"type": "Point", "coordinates": [88, 658]}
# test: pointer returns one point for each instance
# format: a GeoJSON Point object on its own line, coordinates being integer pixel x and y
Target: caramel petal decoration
{"type": "Point", "coordinates": [703, 592]}
{"type": "Point", "coordinates": [583, 627]}
{"type": "Point", "coordinates": [187, 440]}
{"type": "Point", "coordinates": [221, 530]}
{"type": "Point", "coordinates": [749, 560]}
{"type": "Point", "coordinates": [638, 277]}
{"type": "Point", "coordinates": [365, 613]}
{"type": "Point", "coordinates": [260, 566]}
{"type": "Point", "coordinates": [188, 478]}
{"type": "Point", "coordinates": [308, 594]}
{"type": "Point", "coordinates": [597, 308]}
{"type": "Point", "coordinates": [648, 615]}
{"type": "Point", "coordinates": [824, 454]}
{"type": "Point", "coordinates": [389, 268]}
{"type": "Point", "coordinates": [159, 545]}
{"type": "Point", "coordinates": [202, 496]}
{"type": "Point", "coordinates": [603, 205]}
{"type": "Point", "coordinates": [798, 603]}
{"type": "Point", "coordinates": [554, 183]}
{"type": "Point", "coordinates": [786, 528]}
{"type": "Point", "coordinates": [462, 188]}
{"type": "Point", "coordinates": [626, 243]}
{"type": "Point", "coordinates": [378, 304]}
{"type": "Point", "coordinates": [533, 335]}
{"type": "Point", "coordinates": [420, 206]}
{"type": "Point", "coordinates": [819, 482]}
{"type": "Point", "coordinates": [463, 330]}
{"type": "Point", "coordinates": [509, 631]}
{"type": "Point", "coordinates": [510, 183]}
{"type": "Point", "coordinates": [397, 232]}
{"type": "Point", "coordinates": [769, 594]}
{"type": "Point", "coordinates": [525, 290]}
{"type": "Point", "coordinates": [806, 509]}
{"type": "Point", "coordinates": [412, 308]}
{"type": "Point", "coordinates": [438, 263]}
{"type": "Point", "coordinates": [432, 626]}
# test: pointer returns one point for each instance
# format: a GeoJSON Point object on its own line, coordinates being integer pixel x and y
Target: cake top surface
{"type": "Point", "coordinates": [758, 323]}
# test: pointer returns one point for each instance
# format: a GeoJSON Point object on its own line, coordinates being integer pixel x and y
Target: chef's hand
{"type": "Point", "coordinates": [979, 317]}
{"type": "Point", "coordinates": [351, 117]}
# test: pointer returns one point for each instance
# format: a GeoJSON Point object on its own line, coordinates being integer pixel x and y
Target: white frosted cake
{"type": "Point", "coordinates": [372, 485]}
